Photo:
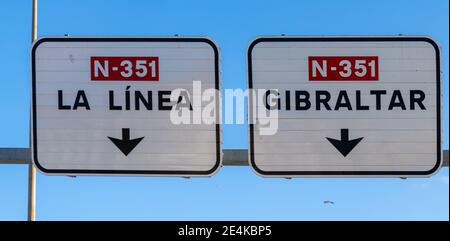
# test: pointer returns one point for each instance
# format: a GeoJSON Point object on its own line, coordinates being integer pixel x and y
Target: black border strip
{"type": "Point", "coordinates": [127, 172]}
{"type": "Point", "coordinates": [348, 173]}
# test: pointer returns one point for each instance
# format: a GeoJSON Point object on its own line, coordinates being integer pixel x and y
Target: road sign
{"type": "Point", "coordinates": [346, 106]}
{"type": "Point", "coordinates": [106, 105]}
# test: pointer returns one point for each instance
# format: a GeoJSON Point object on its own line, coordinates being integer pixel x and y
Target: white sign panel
{"type": "Point", "coordinates": [346, 106]}
{"type": "Point", "coordinates": [105, 106]}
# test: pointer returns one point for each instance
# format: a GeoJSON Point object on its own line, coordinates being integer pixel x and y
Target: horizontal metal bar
{"type": "Point", "coordinates": [231, 157]}
{"type": "Point", "coordinates": [235, 157]}
{"type": "Point", "coordinates": [15, 156]}
{"type": "Point", "coordinates": [445, 164]}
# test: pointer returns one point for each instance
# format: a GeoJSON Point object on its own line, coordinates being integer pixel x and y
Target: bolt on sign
{"type": "Point", "coordinates": [112, 106]}
{"type": "Point", "coordinates": [346, 106]}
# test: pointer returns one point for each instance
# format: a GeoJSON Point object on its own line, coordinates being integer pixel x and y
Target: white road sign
{"type": "Point", "coordinates": [108, 105]}
{"type": "Point", "coordinates": [346, 106]}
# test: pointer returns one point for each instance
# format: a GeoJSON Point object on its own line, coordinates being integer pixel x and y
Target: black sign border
{"type": "Point", "coordinates": [348, 173]}
{"type": "Point", "coordinates": [123, 172]}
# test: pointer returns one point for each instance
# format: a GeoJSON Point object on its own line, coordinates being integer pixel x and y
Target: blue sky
{"type": "Point", "coordinates": [235, 192]}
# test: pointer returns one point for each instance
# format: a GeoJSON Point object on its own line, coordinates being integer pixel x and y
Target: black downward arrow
{"type": "Point", "coordinates": [125, 144]}
{"type": "Point", "coordinates": [344, 145]}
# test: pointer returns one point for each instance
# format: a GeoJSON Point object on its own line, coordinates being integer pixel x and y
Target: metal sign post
{"type": "Point", "coordinates": [31, 169]}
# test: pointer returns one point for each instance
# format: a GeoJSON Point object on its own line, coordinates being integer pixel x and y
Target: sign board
{"type": "Point", "coordinates": [346, 106]}
{"type": "Point", "coordinates": [104, 106]}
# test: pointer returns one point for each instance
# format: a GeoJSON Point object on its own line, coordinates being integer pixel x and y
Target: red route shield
{"type": "Point", "coordinates": [122, 68]}
{"type": "Point", "coordinates": [343, 68]}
